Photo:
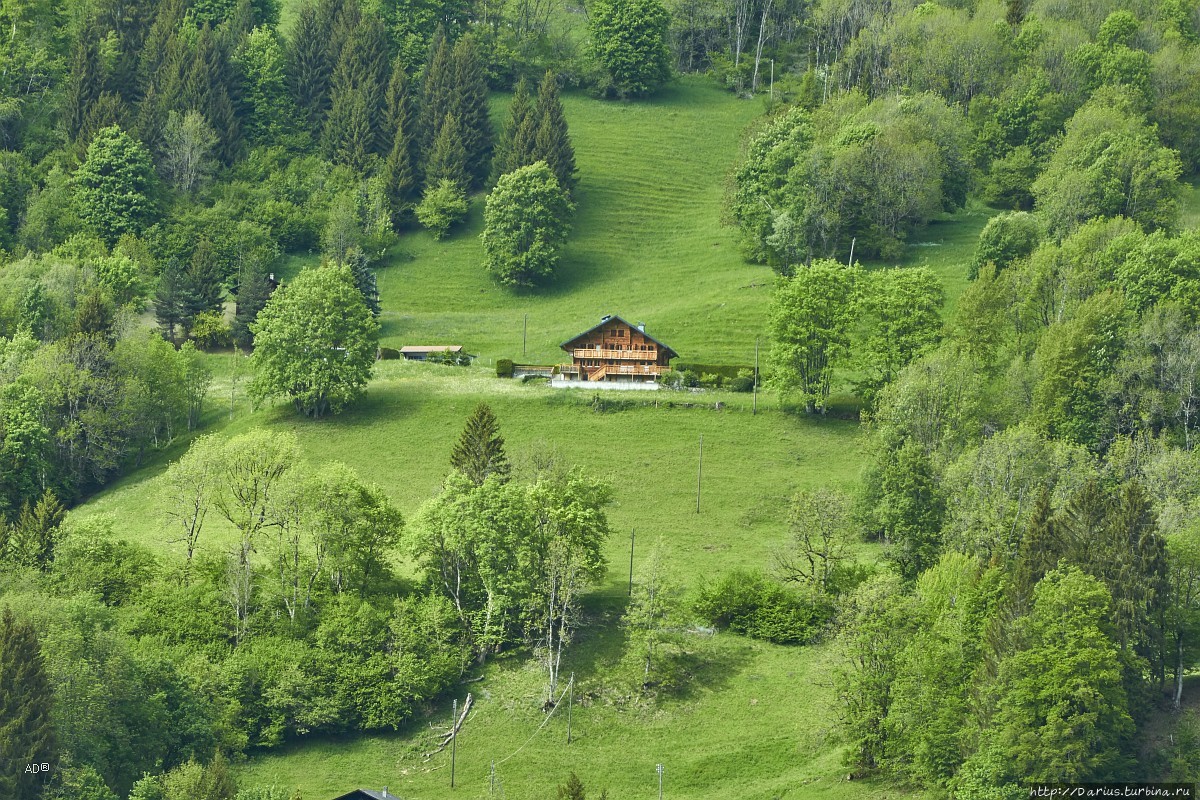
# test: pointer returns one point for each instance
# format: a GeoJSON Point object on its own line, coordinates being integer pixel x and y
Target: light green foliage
{"type": "Point", "coordinates": [514, 557]}
{"type": "Point", "coordinates": [930, 717]}
{"type": "Point", "coordinates": [1006, 238]}
{"type": "Point", "coordinates": [901, 313]}
{"type": "Point", "coordinates": [315, 342]}
{"type": "Point", "coordinates": [822, 532]}
{"type": "Point", "coordinates": [114, 187]}
{"type": "Point", "coordinates": [91, 558]}
{"type": "Point", "coordinates": [442, 207]}
{"type": "Point", "coordinates": [874, 627]}
{"type": "Point", "coordinates": [870, 173]}
{"type": "Point", "coordinates": [655, 614]}
{"type": "Point", "coordinates": [629, 42]}
{"type": "Point", "coordinates": [910, 509]}
{"type": "Point", "coordinates": [188, 143]}
{"type": "Point", "coordinates": [526, 221]}
{"type": "Point", "coordinates": [810, 327]}
{"type": "Point", "coordinates": [261, 61]}
{"type": "Point", "coordinates": [1062, 713]}
{"type": "Point", "coordinates": [1073, 361]}
{"type": "Point", "coordinates": [1109, 163]}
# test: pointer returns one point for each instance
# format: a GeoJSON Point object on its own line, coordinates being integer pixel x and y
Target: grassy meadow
{"type": "Point", "coordinates": [755, 720]}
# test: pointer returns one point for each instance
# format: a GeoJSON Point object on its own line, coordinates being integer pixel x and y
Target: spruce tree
{"type": "Point", "coordinates": [515, 148]}
{"type": "Point", "coordinates": [36, 531]}
{"type": "Point", "coordinates": [108, 109]}
{"type": "Point", "coordinates": [470, 104]}
{"type": "Point", "coordinates": [206, 89]}
{"type": "Point", "coordinates": [26, 731]}
{"type": "Point", "coordinates": [85, 83]}
{"type": "Point", "coordinates": [437, 90]}
{"type": "Point", "coordinates": [252, 295]}
{"type": "Point", "coordinates": [376, 67]}
{"type": "Point", "coordinates": [480, 449]}
{"type": "Point", "coordinates": [354, 127]}
{"type": "Point", "coordinates": [400, 166]}
{"type": "Point", "coordinates": [158, 50]}
{"type": "Point", "coordinates": [448, 158]}
{"type": "Point", "coordinates": [364, 279]}
{"type": "Point", "coordinates": [201, 289]}
{"type": "Point", "coordinates": [572, 789]}
{"type": "Point", "coordinates": [308, 67]}
{"type": "Point", "coordinates": [168, 301]}
{"type": "Point", "coordinates": [553, 142]}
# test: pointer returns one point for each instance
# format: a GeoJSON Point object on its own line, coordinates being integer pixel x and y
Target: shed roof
{"type": "Point", "coordinates": [431, 348]}
{"type": "Point", "coordinates": [615, 318]}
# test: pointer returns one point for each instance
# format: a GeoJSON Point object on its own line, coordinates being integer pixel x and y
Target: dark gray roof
{"type": "Point", "coordinates": [609, 319]}
{"type": "Point", "coordinates": [368, 794]}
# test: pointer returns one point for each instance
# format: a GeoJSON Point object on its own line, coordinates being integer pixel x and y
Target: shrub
{"type": "Point", "coordinates": [744, 382]}
{"type": "Point", "coordinates": [751, 604]}
{"type": "Point", "coordinates": [504, 368]}
{"type": "Point", "coordinates": [443, 206]}
{"type": "Point", "coordinates": [388, 354]}
{"type": "Point", "coordinates": [210, 331]}
{"type": "Point", "coordinates": [689, 379]}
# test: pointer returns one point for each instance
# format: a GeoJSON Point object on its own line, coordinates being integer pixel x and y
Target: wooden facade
{"type": "Point", "coordinates": [616, 351]}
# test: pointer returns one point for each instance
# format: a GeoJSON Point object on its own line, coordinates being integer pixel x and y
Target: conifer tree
{"type": "Point", "coordinates": [553, 142]}
{"type": "Point", "coordinates": [480, 449]}
{"type": "Point", "coordinates": [348, 137]}
{"type": "Point", "coordinates": [206, 89]}
{"type": "Point", "coordinates": [107, 110]}
{"type": "Point", "coordinates": [252, 295]}
{"type": "Point", "coordinates": [26, 730]}
{"type": "Point", "coordinates": [201, 284]}
{"type": "Point", "coordinates": [400, 167]}
{"type": "Point", "coordinates": [168, 301]}
{"type": "Point", "coordinates": [572, 789]}
{"type": "Point", "coordinates": [364, 279]}
{"type": "Point", "coordinates": [515, 148]}
{"type": "Point", "coordinates": [437, 90]}
{"type": "Point", "coordinates": [355, 127]}
{"type": "Point", "coordinates": [470, 104]}
{"type": "Point", "coordinates": [35, 533]}
{"type": "Point", "coordinates": [448, 158]}
{"type": "Point", "coordinates": [308, 67]}
{"type": "Point", "coordinates": [85, 83]}
{"type": "Point", "coordinates": [376, 67]}
{"type": "Point", "coordinates": [160, 44]}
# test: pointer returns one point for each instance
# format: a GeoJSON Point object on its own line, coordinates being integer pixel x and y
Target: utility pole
{"type": "Point", "coordinates": [754, 411]}
{"type": "Point", "coordinates": [632, 533]}
{"type": "Point", "coordinates": [524, 335]}
{"type": "Point", "coordinates": [492, 782]}
{"type": "Point", "coordinates": [772, 79]}
{"type": "Point", "coordinates": [660, 770]}
{"type": "Point", "coordinates": [453, 740]}
{"type": "Point", "coordinates": [570, 705]}
{"type": "Point", "coordinates": [699, 473]}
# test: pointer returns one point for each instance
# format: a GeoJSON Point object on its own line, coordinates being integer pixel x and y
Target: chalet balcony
{"type": "Point", "coordinates": [627, 355]}
{"type": "Point", "coordinates": [599, 373]}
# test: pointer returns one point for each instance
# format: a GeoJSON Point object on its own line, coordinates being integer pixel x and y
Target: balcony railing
{"type": "Point", "coordinates": [628, 355]}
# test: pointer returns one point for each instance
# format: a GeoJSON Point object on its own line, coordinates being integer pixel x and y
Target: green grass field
{"type": "Point", "coordinates": [757, 721]}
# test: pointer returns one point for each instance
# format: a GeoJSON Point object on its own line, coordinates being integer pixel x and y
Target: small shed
{"type": "Point", "coordinates": [368, 794]}
{"type": "Point", "coordinates": [420, 352]}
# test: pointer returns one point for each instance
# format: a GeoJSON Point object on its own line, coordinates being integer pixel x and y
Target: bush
{"type": "Point", "coordinates": [744, 382]}
{"type": "Point", "coordinates": [504, 368]}
{"type": "Point", "coordinates": [443, 206]}
{"type": "Point", "coordinates": [689, 379]}
{"type": "Point", "coordinates": [388, 354]}
{"type": "Point", "coordinates": [210, 331]}
{"type": "Point", "coordinates": [749, 603]}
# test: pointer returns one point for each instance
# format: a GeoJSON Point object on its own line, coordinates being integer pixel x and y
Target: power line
{"type": "Point", "coordinates": [539, 728]}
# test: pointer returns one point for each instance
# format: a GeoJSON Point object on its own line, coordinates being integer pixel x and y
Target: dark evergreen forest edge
{"type": "Point", "coordinates": [986, 568]}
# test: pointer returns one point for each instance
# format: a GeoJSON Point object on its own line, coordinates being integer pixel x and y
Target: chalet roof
{"type": "Point", "coordinates": [613, 317]}
{"type": "Point", "coordinates": [368, 794]}
{"type": "Point", "coordinates": [431, 348]}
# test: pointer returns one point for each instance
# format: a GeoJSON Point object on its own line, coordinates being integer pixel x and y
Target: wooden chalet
{"type": "Point", "coordinates": [368, 794]}
{"type": "Point", "coordinates": [616, 351]}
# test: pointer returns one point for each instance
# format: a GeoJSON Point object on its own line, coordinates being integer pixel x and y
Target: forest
{"type": "Point", "coordinates": [980, 541]}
